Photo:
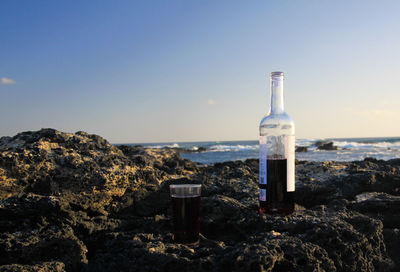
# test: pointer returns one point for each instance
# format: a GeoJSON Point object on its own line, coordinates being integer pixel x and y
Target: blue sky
{"type": "Point", "coordinates": [148, 71]}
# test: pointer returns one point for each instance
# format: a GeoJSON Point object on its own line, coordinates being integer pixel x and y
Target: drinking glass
{"type": "Point", "coordinates": [185, 201]}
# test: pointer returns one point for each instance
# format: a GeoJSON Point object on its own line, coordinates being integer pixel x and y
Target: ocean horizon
{"type": "Point", "coordinates": [349, 149]}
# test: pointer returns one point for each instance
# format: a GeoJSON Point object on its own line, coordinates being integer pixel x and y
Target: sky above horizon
{"type": "Point", "coordinates": [165, 71]}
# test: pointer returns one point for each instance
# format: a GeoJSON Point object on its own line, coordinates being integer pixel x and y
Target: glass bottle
{"type": "Point", "coordinates": [277, 142]}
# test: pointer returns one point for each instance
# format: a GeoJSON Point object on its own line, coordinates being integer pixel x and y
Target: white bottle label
{"type": "Point", "coordinates": [263, 195]}
{"type": "Point", "coordinates": [263, 160]}
{"type": "Point", "coordinates": [289, 150]}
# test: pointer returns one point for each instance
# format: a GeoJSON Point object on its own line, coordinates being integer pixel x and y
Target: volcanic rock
{"type": "Point", "coordinates": [74, 202]}
{"type": "Point", "coordinates": [301, 148]}
{"type": "Point", "coordinates": [322, 145]}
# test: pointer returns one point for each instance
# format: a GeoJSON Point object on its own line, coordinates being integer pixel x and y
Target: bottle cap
{"type": "Point", "coordinates": [276, 73]}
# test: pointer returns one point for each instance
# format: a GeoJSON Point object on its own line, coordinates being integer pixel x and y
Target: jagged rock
{"type": "Point", "coordinates": [41, 267]}
{"type": "Point", "coordinates": [301, 148]}
{"type": "Point", "coordinates": [322, 145]}
{"type": "Point", "coordinates": [201, 149]}
{"type": "Point", "coordinates": [379, 205]}
{"type": "Point", "coordinates": [39, 229]}
{"type": "Point", "coordinates": [392, 242]}
{"type": "Point", "coordinates": [74, 202]}
{"type": "Point", "coordinates": [320, 239]}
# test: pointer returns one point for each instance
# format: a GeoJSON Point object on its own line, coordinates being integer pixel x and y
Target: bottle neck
{"type": "Point", "coordinates": [276, 95]}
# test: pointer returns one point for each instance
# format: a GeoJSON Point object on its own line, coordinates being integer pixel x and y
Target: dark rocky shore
{"type": "Point", "coordinates": [74, 202]}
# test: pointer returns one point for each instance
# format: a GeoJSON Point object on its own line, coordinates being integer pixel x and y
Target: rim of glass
{"type": "Point", "coordinates": [184, 185]}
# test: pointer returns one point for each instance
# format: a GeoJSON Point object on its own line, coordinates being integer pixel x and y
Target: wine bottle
{"type": "Point", "coordinates": [277, 142]}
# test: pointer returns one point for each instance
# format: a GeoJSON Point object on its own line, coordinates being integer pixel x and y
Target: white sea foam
{"type": "Point", "coordinates": [175, 145]}
{"type": "Point", "coordinates": [155, 146]}
{"type": "Point", "coordinates": [219, 148]}
{"type": "Point", "coordinates": [364, 146]}
{"type": "Point", "coordinates": [305, 142]}
{"type": "Point", "coordinates": [242, 147]}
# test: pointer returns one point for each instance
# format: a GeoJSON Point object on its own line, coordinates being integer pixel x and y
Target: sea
{"type": "Point", "coordinates": [349, 149]}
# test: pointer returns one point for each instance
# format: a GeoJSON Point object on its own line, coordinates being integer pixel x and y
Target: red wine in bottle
{"type": "Point", "coordinates": [277, 199]}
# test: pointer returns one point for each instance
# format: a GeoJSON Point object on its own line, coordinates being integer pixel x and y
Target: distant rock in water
{"type": "Point", "coordinates": [301, 148]}
{"type": "Point", "coordinates": [323, 145]}
{"type": "Point", "coordinates": [74, 202]}
{"type": "Point", "coordinates": [201, 149]}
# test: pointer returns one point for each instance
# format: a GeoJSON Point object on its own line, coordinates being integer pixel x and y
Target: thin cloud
{"type": "Point", "coordinates": [211, 102]}
{"type": "Point", "coordinates": [7, 81]}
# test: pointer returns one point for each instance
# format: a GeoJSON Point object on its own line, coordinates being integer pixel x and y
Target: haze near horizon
{"type": "Point", "coordinates": [134, 71]}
